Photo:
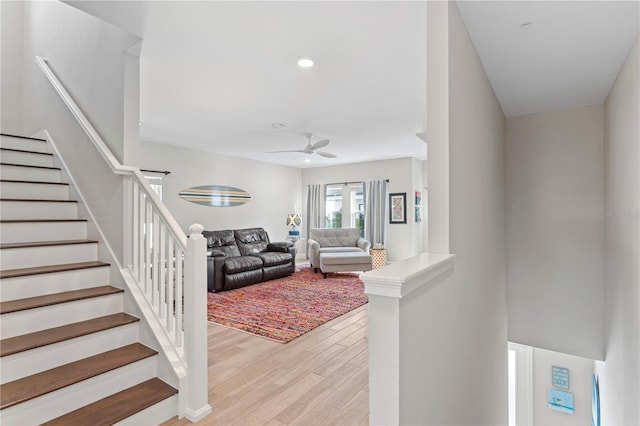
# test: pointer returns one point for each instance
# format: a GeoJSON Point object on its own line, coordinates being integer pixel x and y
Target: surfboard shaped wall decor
{"type": "Point", "coordinates": [216, 195]}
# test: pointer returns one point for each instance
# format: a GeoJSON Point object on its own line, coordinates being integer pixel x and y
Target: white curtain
{"type": "Point", "coordinates": [376, 201]}
{"type": "Point", "coordinates": [315, 208]}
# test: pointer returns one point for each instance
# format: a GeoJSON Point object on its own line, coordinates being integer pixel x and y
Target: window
{"type": "Point", "coordinates": [156, 184]}
{"type": "Point", "coordinates": [345, 206]}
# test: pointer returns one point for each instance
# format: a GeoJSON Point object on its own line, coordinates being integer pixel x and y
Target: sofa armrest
{"type": "Point", "coordinates": [365, 245]}
{"type": "Point", "coordinates": [314, 252]}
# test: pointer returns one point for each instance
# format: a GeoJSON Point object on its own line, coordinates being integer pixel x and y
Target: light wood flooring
{"type": "Point", "coordinates": [320, 378]}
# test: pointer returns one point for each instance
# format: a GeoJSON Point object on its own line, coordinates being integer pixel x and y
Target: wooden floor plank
{"type": "Point", "coordinates": [319, 378]}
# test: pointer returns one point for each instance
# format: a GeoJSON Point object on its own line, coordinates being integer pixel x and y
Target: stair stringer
{"type": "Point", "coordinates": [171, 368]}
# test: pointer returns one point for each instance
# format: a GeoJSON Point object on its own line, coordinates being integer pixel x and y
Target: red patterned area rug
{"type": "Point", "coordinates": [286, 308]}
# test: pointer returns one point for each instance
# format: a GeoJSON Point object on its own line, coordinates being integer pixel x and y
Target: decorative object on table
{"type": "Point", "coordinates": [216, 195]}
{"type": "Point", "coordinates": [287, 308]}
{"type": "Point", "coordinates": [398, 207]}
{"type": "Point", "coordinates": [293, 220]}
{"type": "Point", "coordinates": [378, 255]}
{"type": "Point", "coordinates": [418, 206]}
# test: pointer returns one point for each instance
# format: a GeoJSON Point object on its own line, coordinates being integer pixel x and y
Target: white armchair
{"type": "Point", "coordinates": [334, 240]}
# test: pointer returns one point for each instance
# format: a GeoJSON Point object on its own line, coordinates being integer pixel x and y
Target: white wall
{"type": "Point", "coordinates": [87, 55]}
{"type": "Point", "coordinates": [555, 230]}
{"type": "Point", "coordinates": [453, 334]}
{"type": "Point", "coordinates": [401, 238]}
{"type": "Point", "coordinates": [274, 189]}
{"type": "Point", "coordinates": [620, 373]}
{"type": "Point", "coordinates": [580, 376]}
{"type": "Point", "coordinates": [11, 67]}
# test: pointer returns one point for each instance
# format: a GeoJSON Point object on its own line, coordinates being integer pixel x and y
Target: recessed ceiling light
{"type": "Point", "coordinates": [307, 160]}
{"type": "Point", "coordinates": [278, 125]}
{"type": "Point", "coordinates": [305, 63]}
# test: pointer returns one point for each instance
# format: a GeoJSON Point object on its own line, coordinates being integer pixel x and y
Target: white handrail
{"type": "Point", "coordinates": [106, 153]}
{"type": "Point", "coordinates": [168, 270]}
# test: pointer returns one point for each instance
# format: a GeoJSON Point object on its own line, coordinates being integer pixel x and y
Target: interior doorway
{"type": "Point", "coordinates": [520, 385]}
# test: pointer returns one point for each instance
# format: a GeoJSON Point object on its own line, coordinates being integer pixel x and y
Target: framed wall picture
{"type": "Point", "coordinates": [398, 207]}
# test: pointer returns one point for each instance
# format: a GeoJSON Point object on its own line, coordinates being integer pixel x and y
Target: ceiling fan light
{"type": "Point", "coordinates": [305, 63]}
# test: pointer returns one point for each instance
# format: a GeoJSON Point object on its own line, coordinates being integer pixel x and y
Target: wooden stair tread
{"type": "Point", "coordinates": [22, 272]}
{"type": "Point", "coordinates": [56, 298]}
{"type": "Point", "coordinates": [30, 166]}
{"type": "Point", "coordinates": [39, 384]}
{"type": "Point", "coordinates": [46, 243]}
{"type": "Point", "coordinates": [40, 220]}
{"type": "Point", "coordinates": [34, 182]}
{"type": "Point", "coordinates": [23, 137]}
{"type": "Point", "coordinates": [11, 273]}
{"type": "Point", "coordinates": [26, 151]}
{"type": "Point", "coordinates": [42, 338]}
{"type": "Point", "coordinates": [118, 406]}
{"type": "Point", "coordinates": [37, 200]}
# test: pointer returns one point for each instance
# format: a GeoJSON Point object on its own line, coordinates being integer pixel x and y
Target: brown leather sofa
{"type": "Point", "coordinates": [240, 257]}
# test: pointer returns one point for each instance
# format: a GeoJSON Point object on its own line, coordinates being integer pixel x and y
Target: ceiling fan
{"type": "Point", "coordinates": [311, 148]}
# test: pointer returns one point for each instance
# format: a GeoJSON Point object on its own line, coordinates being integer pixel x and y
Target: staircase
{"type": "Point", "coordinates": [69, 355]}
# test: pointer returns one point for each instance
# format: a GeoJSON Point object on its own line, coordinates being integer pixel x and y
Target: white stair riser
{"type": "Point", "coordinates": [31, 320]}
{"type": "Point", "coordinates": [23, 144]}
{"type": "Point", "coordinates": [34, 191]}
{"type": "Point", "coordinates": [41, 284]}
{"type": "Point", "coordinates": [30, 257]}
{"type": "Point", "coordinates": [25, 232]}
{"type": "Point", "coordinates": [37, 360]}
{"type": "Point", "coordinates": [154, 415]}
{"type": "Point", "coordinates": [26, 158]}
{"type": "Point", "coordinates": [29, 173]}
{"type": "Point", "coordinates": [13, 210]}
{"type": "Point", "coordinates": [55, 404]}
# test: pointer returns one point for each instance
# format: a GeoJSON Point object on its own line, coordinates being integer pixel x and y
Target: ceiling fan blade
{"type": "Point", "coordinates": [288, 150]}
{"type": "Point", "coordinates": [326, 154]}
{"type": "Point", "coordinates": [320, 144]}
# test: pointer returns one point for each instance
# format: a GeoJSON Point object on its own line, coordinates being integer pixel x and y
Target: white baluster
{"type": "Point", "coordinates": [171, 283]}
{"type": "Point", "coordinates": [136, 230]}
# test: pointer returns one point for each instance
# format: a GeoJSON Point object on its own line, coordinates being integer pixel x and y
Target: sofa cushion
{"type": "Point", "coordinates": [251, 241]}
{"type": "Point", "coordinates": [223, 241]}
{"type": "Point", "coordinates": [233, 265]}
{"type": "Point", "coordinates": [335, 237]}
{"type": "Point", "coordinates": [340, 250]}
{"type": "Point", "coordinates": [273, 258]}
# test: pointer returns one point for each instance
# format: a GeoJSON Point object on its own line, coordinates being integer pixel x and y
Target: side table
{"type": "Point", "coordinates": [379, 257]}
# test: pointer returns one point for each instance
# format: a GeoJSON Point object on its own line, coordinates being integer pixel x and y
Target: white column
{"type": "Point", "coordinates": [195, 324]}
{"type": "Point", "coordinates": [390, 289]}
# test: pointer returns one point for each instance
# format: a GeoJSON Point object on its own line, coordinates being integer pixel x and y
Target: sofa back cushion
{"type": "Point", "coordinates": [251, 241]}
{"type": "Point", "coordinates": [335, 237]}
{"type": "Point", "coordinates": [224, 241]}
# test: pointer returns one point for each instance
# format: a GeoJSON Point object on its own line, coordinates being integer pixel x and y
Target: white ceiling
{"type": "Point", "coordinates": [216, 75]}
{"type": "Point", "coordinates": [568, 56]}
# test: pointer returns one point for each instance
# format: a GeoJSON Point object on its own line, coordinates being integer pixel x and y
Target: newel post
{"type": "Point", "coordinates": [195, 324]}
